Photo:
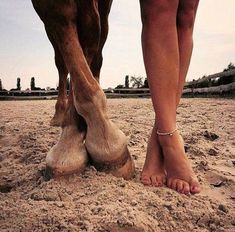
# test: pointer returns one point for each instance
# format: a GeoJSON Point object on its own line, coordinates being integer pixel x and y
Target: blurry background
{"type": "Point", "coordinates": [26, 52]}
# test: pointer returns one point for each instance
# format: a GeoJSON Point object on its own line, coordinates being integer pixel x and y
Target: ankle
{"type": "Point", "coordinates": [168, 133]}
{"type": "Point", "coordinates": [168, 139]}
{"type": "Point", "coordinates": [165, 127]}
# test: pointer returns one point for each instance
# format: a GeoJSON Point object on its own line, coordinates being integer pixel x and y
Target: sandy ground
{"type": "Point", "coordinates": [94, 201]}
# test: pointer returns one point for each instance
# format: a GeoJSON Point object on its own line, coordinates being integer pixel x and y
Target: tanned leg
{"type": "Point", "coordinates": [185, 23]}
{"type": "Point", "coordinates": [162, 62]}
{"type": "Point", "coordinates": [153, 170]}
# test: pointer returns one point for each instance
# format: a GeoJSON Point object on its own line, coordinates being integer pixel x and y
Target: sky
{"type": "Point", "coordinates": [26, 52]}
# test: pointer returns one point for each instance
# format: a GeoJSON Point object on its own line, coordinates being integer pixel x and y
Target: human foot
{"type": "Point", "coordinates": [69, 154]}
{"type": "Point", "coordinates": [153, 171]}
{"type": "Point", "coordinates": [180, 175]}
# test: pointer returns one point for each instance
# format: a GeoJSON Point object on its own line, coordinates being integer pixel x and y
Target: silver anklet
{"type": "Point", "coordinates": [166, 133]}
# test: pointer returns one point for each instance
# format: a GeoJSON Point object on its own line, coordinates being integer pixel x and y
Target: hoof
{"type": "Point", "coordinates": [69, 155]}
{"type": "Point", "coordinates": [122, 167]}
{"type": "Point", "coordinates": [107, 147]}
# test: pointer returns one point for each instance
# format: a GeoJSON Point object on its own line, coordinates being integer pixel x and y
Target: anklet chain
{"type": "Point", "coordinates": [167, 133]}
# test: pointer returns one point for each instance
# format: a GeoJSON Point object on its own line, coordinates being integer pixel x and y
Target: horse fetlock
{"type": "Point", "coordinates": [92, 107]}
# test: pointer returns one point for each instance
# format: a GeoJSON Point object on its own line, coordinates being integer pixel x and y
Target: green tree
{"type": "Point", "coordinates": [127, 82]}
{"type": "Point", "coordinates": [18, 84]}
{"type": "Point", "coordinates": [119, 87]}
{"type": "Point", "coordinates": [230, 67]}
{"type": "Point", "coordinates": [137, 82]}
{"type": "Point", "coordinates": [32, 83]}
{"type": "Point", "coordinates": [146, 84]}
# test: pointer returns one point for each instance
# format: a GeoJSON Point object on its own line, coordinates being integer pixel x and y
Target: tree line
{"type": "Point", "coordinates": [223, 80]}
{"type": "Point", "coordinates": [32, 86]}
{"type": "Point", "coordinates": [138, 82]}
{"type": "Point", "coordinates": [142, 82]}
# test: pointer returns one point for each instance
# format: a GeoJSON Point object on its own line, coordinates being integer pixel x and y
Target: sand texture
{"type": "Point", "coordinates": [94, 201]}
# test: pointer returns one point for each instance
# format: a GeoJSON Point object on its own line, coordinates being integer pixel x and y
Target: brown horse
{"type": "Point", "coordinates": [78, 30]}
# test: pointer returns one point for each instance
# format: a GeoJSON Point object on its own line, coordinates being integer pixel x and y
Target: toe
{"type": "Point", "coordinates": [145, 180]}
{"type": "Point", "coordinates": [164, 180]}
{"type": "Point", "coordinates": [161, 180]}
{"type": "Point", "coordinates": [186, 188]}
{"type": "Point", "coordinates": [169, 182]}
{"type": "Point", "coordinates": [154, 180]}
{"type": "Point", "coordinates": [179, 186]}
{"type": "Point", "coordinates": [195, 187]}
{"type": "Point", "coordinates": [174, 184]}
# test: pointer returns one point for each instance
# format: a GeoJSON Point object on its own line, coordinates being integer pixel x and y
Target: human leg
{"type": "Point", "coordinates": [185, 24]}
{"type": "Point", "coordinates": [152, 13]}
{"type": "Point", "coordinates": [162, 62]}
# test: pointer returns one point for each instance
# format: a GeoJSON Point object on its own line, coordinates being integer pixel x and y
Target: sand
{"type": "Point", "coordinates": [94, 201]}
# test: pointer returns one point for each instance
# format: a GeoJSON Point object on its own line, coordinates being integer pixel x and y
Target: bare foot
{"type": "Point", "coordinates": [69, 154]}
{"type": "Point", "coordinates": [180, 175]}
{"type": "Point", "coordinates": [60, 109]}
{"type": "Point", "coordinates": [153, 172]}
